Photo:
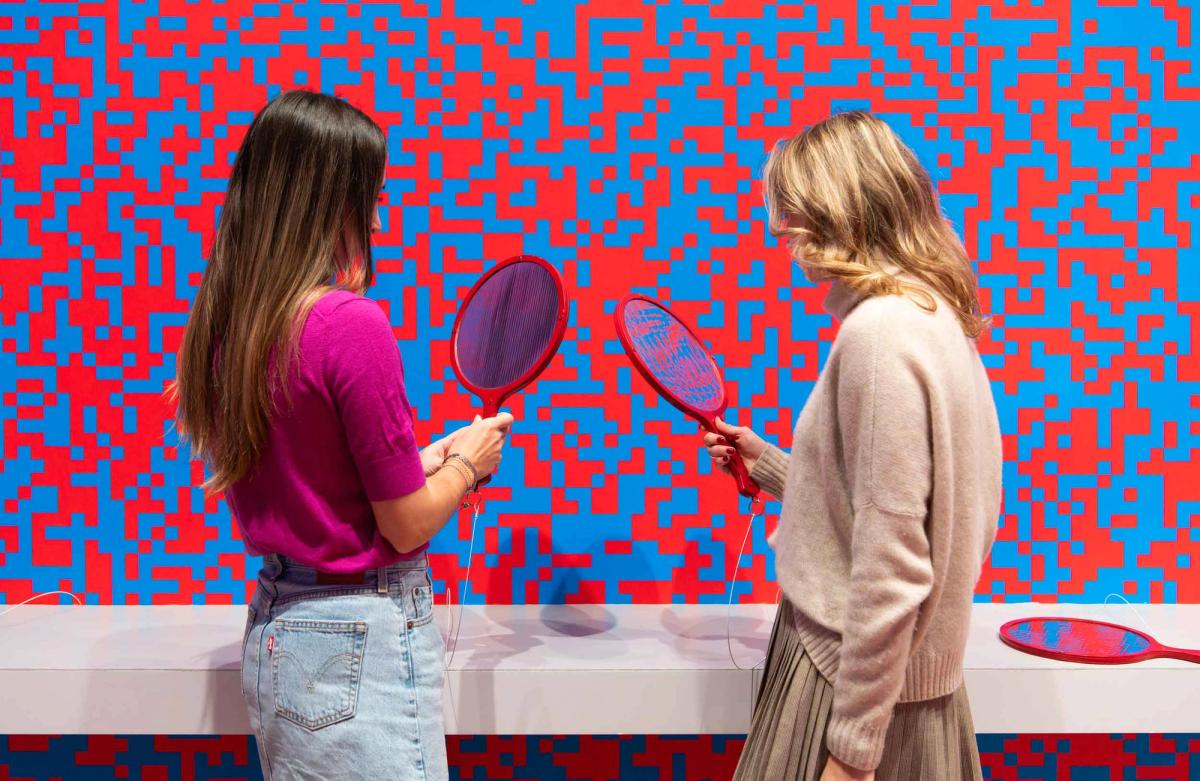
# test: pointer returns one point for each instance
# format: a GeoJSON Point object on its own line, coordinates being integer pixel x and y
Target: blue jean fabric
{"type": "Point", "coordinates": [344, 681]}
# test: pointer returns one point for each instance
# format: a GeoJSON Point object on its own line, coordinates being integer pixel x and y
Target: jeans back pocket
{"type": "Point", "coordinates": [316, 668]}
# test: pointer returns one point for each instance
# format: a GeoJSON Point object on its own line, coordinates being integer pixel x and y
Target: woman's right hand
{"type": "Point", "coordinates": [721, 445]}
{"type": "Point", "coordinates": [482, 442]}
{"type": "Point", "coordinates": [411, 520]}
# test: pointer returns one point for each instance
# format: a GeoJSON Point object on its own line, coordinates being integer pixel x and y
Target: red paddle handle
{"type": "Point", "coordinates": [491, 405]}
{"type": "Point", "coordinates": [1182, 654]}
{"type": "Point", "coordinates": [745, 483]}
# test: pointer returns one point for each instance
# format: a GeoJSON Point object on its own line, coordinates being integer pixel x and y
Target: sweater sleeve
{"type": "Point", "coordinates": [770, 471]}
{"type": "Point", "coordinates": [366, 379]}
{"type": "Point", "coordinates": [884, 425]}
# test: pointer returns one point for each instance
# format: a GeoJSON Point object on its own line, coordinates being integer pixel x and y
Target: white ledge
{"type": "Point", "coordinates": [557, 669]}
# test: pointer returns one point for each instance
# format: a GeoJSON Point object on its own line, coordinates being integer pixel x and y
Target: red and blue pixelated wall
{"type": "Point", "coordinates": [623, 142]}
{"type": "Point", "coordinates": [584, 758]}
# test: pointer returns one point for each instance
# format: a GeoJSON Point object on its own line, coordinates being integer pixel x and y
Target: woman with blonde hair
{"type": "Point", "coordinates": [290, 386]}
{"type": "Point", "coordinates": [891, 492]}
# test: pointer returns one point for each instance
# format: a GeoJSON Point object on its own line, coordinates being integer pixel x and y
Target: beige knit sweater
{"type": "Point", "coordinates": [891, 496]}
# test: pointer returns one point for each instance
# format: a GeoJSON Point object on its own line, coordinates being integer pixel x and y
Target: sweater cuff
{"type": "Point", "coordinates": [770, 471]}
{"type": "Point", "coordinates": [857, 744]}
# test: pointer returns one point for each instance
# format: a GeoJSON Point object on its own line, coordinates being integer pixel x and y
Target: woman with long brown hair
{"type": "Point", "coordinates": [891, 492]}
{"type": "Point", "coordinates": [290, 386]}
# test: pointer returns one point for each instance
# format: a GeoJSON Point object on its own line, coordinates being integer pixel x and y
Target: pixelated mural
{"type": "Point", "coordinates": [622, 141]}
{"type": "Point", "coordinates": [582, 757]}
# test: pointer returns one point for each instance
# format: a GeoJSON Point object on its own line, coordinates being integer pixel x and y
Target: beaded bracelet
{"type": "Point", "coordinates": [461, 471]}
{"type": "Point", "coordinates": [467, 462]}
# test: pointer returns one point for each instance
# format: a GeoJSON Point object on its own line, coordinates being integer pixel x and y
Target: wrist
{"type": "Point", "coordinates": [459, 458]}
{"type": "Point", "coordinates": [461, 471]}
{"type": "Point", "coordinates": [850, 772]}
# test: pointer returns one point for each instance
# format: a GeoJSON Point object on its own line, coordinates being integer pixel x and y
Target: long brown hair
{"type": "Point", "coordinates": [853, 200]}
{"type": "Point", "coordinates": [296, 221]}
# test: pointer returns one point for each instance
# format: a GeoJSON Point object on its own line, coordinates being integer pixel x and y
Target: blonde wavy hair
{"type": "Point", "coordinates": [855, 204]}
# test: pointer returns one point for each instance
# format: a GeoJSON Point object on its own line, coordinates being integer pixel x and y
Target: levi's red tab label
{"type": "Point", "coordinates": [270, 643]}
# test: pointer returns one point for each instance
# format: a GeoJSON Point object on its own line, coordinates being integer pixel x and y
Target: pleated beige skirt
{"type": "Point", "coordinates": [932, 740]}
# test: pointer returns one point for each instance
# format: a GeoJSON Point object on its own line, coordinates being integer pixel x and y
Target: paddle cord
{"type": "Point", "coordinates": [78, 601]}
{"type": "Point", "coordinates": [464, 586]}
{"type": "Point", "coordinates": [755, 512]}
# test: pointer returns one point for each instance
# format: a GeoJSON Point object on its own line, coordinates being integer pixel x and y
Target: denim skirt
{"type": "Point", "coordinates": [342, 674]}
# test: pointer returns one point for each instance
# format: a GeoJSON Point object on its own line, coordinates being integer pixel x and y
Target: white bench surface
{"type": "Point", "coordinates": [558, 669]}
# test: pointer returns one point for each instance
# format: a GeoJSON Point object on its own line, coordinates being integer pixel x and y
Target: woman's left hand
{"type": "Point", "coordinates": [434, 456]}
{"type": "Point", "coordinates": [836, 770]}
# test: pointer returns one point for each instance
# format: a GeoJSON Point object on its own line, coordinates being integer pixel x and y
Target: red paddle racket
{"type": "Point", "coordinates": [1088, 642]}
{"type": "Point", "coordinates": [508, 329]}
{"type": "Point", "coordinates": [667, 352]}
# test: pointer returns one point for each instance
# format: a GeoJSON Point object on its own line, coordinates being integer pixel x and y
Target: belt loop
{"type": "Point", "coordinates": [273, 570]}
{"type": "Point", "coordinates": [381, 575]}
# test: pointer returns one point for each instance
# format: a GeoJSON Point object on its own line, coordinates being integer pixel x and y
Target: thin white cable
{"type": "Point", "coordinates": [1136, 612]}
{"type": "Point", "coordinates": [733, 587]}
{"type": "Point", "coordinates": [11, 608]}
{"type": "Point", "coordinates": [465, 582]}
